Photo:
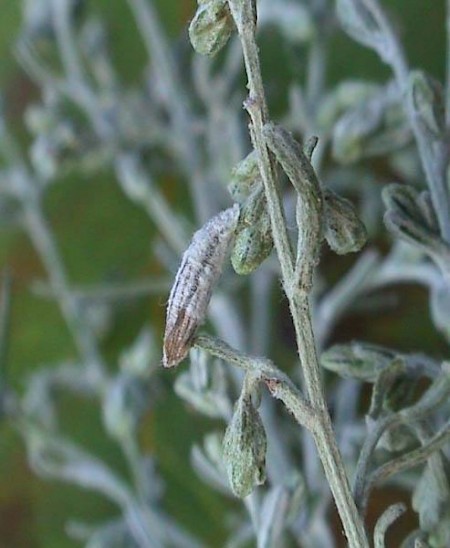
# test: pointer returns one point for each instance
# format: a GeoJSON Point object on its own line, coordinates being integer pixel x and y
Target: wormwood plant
{"type": "Point", "coordinates": [248, 195]}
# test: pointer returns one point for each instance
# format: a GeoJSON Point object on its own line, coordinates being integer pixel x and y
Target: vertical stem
{"type": "Point", "coordinates": [244, 16]}
{"type": "Point", "coordinates": [324, 436]}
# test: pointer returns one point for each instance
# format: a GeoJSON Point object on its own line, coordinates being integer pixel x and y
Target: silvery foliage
{"type": "Point", "coordinates": [87, 119]}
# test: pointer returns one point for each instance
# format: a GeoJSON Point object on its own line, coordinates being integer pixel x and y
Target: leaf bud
{"type": "Point", "coordinates": [245, 177]}
{"type": "Point", "coordinates": [211, 27]}
{"type": "Point", "coordinates": [254, 241]}
{"type": "Point", "coordinates": [344, 231]}
{"type": "Point", "coordinates": [244, 448]}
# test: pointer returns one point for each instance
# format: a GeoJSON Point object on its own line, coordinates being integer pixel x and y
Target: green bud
{"type": "Point", "coordinates": [211, 27]}
{"type": "Point", "coordinates": [426, 97]}
{"type": "Point", "coordinates": [252, 246]}
{"type": "Point", "coordinates": [253, 242]}
{"type": "Point", "coordinates": [344, 231]}
{"type": "Point", "coordinates": [244, 448]}
{"type": "Point", "coordinates": [244, 178]}
{"type": "Point", "coordinates": [357, 360]}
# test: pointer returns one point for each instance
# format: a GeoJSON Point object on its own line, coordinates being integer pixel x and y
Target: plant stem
{"type": "Point", "coordinates": [324, 436]}
{"type": "Point", "coordinates": [244, 16]}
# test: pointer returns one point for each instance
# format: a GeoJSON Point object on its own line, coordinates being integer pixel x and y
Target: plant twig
{"type": "Point", "coordinates": [279, 384]}
{"type": "Point", "coordinates": [387, 518]}
{"type": "Point", "coordinates": [243, 12]}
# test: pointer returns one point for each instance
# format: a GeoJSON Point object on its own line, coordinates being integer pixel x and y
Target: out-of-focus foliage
{"type": "Point", "coordinates": [105, 175]}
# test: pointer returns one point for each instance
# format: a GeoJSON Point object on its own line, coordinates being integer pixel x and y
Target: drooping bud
{"type": "Point", "coordinates": [344, 231]}
{"type": "Point", "coordinates": [254, 240]}
{"type": "Point", "coordinates": [211, 27]}
{"type": "Point", "coordinates": [200, 268]}
{"type": "Point", "coordinates": [244, 448]}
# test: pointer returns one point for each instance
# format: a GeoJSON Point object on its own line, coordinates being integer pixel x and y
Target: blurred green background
{"type": "Point", "coordinates": [102, 237]}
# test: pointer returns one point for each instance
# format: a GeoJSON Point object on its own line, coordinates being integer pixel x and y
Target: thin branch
{"type": "Point", "coordinates": [387, 518]}
{"type": "Point", "coordinates": [279, 384]}
{"type": "Point", "coordinates": [243, 12]}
